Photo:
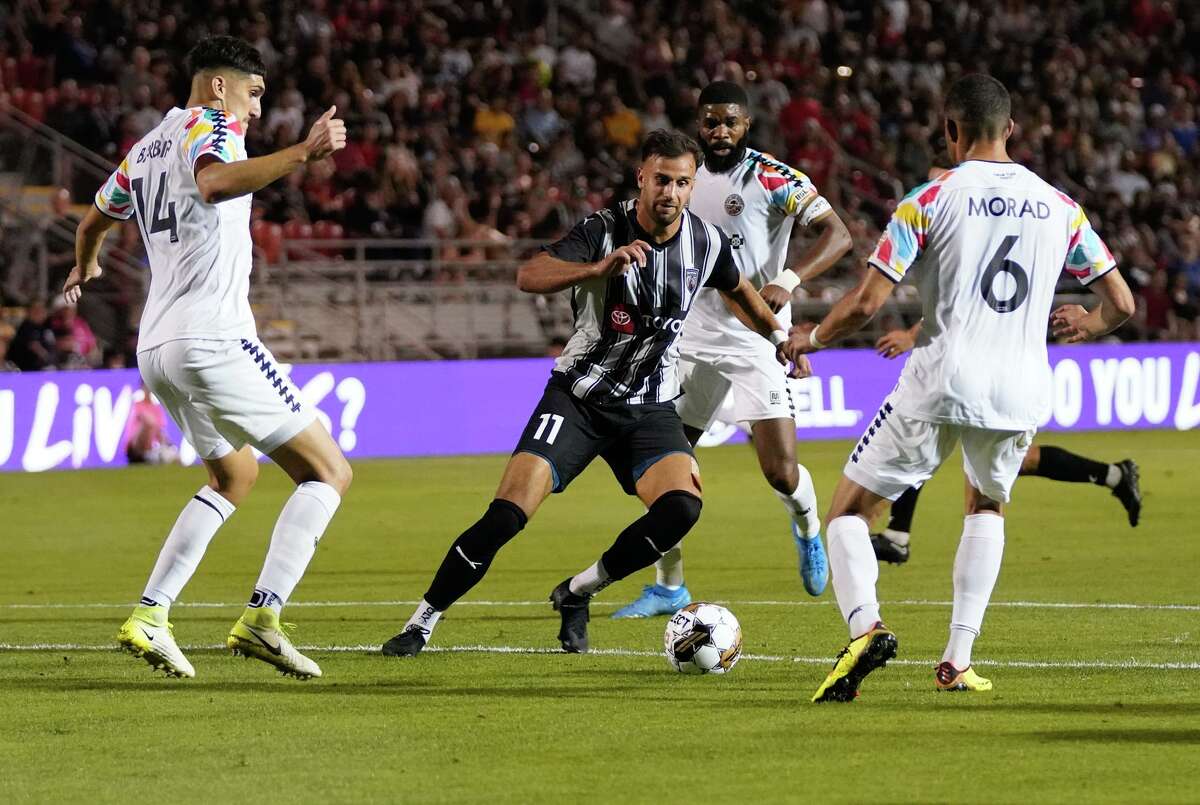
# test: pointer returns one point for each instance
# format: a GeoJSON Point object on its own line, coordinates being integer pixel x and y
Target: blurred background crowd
{"type": "Point", "coordinates": [492, 120]}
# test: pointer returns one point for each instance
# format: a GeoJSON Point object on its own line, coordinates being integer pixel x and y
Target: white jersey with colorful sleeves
{"type": "Point", "coordinates": [985, 244]}
{"type": "Point", "coordinates": [200, 254]}
{"type": "Point", "coordinates": [756, 203]}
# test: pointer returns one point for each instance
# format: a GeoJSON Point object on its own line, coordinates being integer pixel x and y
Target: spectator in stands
{"type": "Point", "coordinates": [146, 439]}
{"type": "Point", "coordinates": [32, 346]}
{"type": "Point", "coordinates": [1155, 316]}
{"type": "Point", "coordinates": [74, 340]}
{"type": "Point", "coordinates": [73, 119]}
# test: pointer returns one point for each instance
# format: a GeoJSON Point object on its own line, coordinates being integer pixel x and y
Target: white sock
{"type": "Point", "coordinates": [976, 566]}
{"type": "Point", "coordinates": [854, 571]}
{"type": "Point", "coordinates": [297, 531]}
{"type": "Point", "coordinates": [591, 581]}
{"type": "Point", "coordinates": [802, 504]}
{"type": "Point", "coordinates": [1114, 476]}
{"type": "Point", "coordinates": [669, 570]}
{"type": "Point", "coordinates": [185, 546]}
{"type": "Point", "coordinates": [896, 537]}
{"type": "Point", "coordinates": [425, 618]}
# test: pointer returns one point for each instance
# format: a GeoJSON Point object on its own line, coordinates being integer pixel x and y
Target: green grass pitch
{"type": "Point", "coordinates": [1092, 703]}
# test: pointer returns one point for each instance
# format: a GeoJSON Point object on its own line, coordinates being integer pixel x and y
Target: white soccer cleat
{"type": "Point", "coordinates": [259, 634]}
{"type": "Point", "coordinates": [148, 635]}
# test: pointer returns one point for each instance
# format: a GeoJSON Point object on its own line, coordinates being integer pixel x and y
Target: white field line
{"type": "Point", "coordinates": [1130, 664]}
{"type": "Point", "coordinates": [910, 602]}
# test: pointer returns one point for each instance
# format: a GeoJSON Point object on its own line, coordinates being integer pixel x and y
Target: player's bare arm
{"type": "Point", "coordinates": [752, 311]}
{"type": "Point", "coordinates": [89, 237]}
{"type": "Point", "coordinates": [545, 274]}
{"type": "Point", "coordinates": [846, 317]}
{"type": "Point", "coordinates": [220, 181]}
{"type": "Point", "coordinates": [897, 342]}
{"type": "Point", "coordinates": [833, 241]}
{"type": "Point", "coordinates": [1076, 323]}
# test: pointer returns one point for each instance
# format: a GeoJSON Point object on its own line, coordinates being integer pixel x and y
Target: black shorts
{"type": "Point", "coordinates": [569, 432]}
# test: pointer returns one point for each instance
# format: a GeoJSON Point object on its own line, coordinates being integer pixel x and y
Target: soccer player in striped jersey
{"type": "Point", "coordinates": [188, 183]}
{"type": "Point", "coordinates": [985, 243]}
{"type": "Point", "coordinates": [1046, 461]}
{"type": "Point", "coordinates": [758, 201]}
{"type": "Point", "coordinates": [634, 270]}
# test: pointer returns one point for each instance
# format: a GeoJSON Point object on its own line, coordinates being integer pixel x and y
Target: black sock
{"type": "Point", "coordinates": [657, 531]}
{"type": "Point", "coordinates": [903, 510]}
{"type": "Point", "coordinates": [471, 554]}
{"type": "Point", "coordinates": [1061, 465]}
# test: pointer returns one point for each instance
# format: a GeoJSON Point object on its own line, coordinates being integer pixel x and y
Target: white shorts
{"type": "Point", "coordinates": [897, 452]}
{"type": "Point", "coordinates": [224, 395]}
{"type": "Point", "coordinates": [758, 383]}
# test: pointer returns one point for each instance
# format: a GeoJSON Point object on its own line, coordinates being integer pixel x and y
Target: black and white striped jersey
{"type": "Point", "coordinates": [626, 327]}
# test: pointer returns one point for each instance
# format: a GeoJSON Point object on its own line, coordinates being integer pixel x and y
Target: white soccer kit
{"type": "Point", "coordinates": [198, 349]}
{"type": "Point", "coordinates": [757, 203]}
{"type": "Point", "coordinates": [985, 244]}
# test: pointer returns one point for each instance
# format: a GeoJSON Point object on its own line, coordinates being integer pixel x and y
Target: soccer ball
{"type": "Point", "coordinates": [703, 639]}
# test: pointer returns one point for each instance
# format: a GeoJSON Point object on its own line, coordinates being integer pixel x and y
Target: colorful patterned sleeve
{"type": "Point", "coordinates": [791, 191]}
{"type": "Point", "coordinates": [904, 238]}
{"type": "Point", "coordinates": [113, 198]}
{"type": "Point", "coordinates": [1088, 258]}
{"type": "Point", "coordinates": [215, 133]}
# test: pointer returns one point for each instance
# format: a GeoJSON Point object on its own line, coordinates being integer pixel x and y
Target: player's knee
{"type": "Point", "coordinates": [235, 483]}
{"type": "Point", "coordinates": [675, 513]}
{"type": "Point", "coordinates": [339, 475]}
{"type": "Point", "coordinates": [502, 521]}
{"type": "Point", "coordinates": [782, 476]}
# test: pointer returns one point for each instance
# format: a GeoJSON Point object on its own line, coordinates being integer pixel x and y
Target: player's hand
{"type": "Point", "coordinates": [798, 341]}
{"type": "Point", "coordinates": [786, 354]}
{"type": "Point", "coordinates": [619, 260]}
{"type": "Point", "coordinates": [327, 135]}
{"type": "Point", "coordinates": [894, 344]}
{"type": "Point", "coordinates": [73, 287]}
{"type": "Point", "coordinates": [775, 297]}
{"type": "Point", "coordinates": [1068, 322]}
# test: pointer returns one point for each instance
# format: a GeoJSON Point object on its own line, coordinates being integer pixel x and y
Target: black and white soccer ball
{"type": "Point", "coordinates": [703, 638]}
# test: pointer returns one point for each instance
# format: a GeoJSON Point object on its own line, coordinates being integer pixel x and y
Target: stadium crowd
{"type": "Point", "coordinates": [488, 120]}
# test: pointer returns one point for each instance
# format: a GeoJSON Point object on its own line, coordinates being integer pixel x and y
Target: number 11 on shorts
{"type": "Point", "coordinates": [546, 420]}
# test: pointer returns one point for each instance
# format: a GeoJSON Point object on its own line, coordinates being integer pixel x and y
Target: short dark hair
{"type": "Point", "coordinates": [980, 105]}
{"type": "Point", "coordinates": [666, 143]}
{"type": "Point", "coordinates": [719, 92]}
{"type": "Point", "coordinates": [216, 52]}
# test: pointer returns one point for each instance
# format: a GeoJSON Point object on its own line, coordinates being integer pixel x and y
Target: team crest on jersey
{"type": "Point", "coordinates": [736, 240]}
{"type": "Point", "coordinates": [692, 277]}
{"type": "Point", "coordinates": [734, 204]}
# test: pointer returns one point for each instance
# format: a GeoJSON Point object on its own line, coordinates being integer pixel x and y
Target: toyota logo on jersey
{"type": "Point", "coordinates": [620, 320]}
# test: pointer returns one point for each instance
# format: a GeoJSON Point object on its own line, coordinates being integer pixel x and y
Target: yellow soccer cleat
{"type": "Point", "coordinates": [949, 678]}
{"type": "Point", "coordinates": [148, 635]}
{"type": "Point", "coordinates": [862, 656]}
{"type": "Point", "coordinates": [259, 634]}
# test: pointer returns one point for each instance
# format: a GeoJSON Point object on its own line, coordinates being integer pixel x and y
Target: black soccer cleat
{"type": "Point", "coordinates": [574, 610]}
{"type": "Point", "coordinates": [888, 551]}
{"type": "Point", "coordinates": [1129, 490]}
{"type": "Point", "coordinates": [406, 644]}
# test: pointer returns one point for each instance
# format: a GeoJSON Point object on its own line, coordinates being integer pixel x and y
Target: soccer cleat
{"type": "Point", "coordinates": [408, 643]}
{"type": "Point", "coordinates": [814, 567]}
{"type": "Point", "coordinates": [1129, 490]}
{"type": "Point", "coordinates": [259, 634]}
{"type": "Point", "coordinates": [574, 611]}
{"type": "Point", "coordinates": [656, 600]}
{"type": "Point", "coordinates": [148, 635]}
{"type": "Point", "coordinates": [888, 551]}
{"type": "Point", "coordinates": [862, 656]}
{"type": "Point", "coordinates": [949, 678]}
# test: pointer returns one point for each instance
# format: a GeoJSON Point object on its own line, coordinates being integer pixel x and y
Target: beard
{"type": "Point", "coordinates": [717, 163]}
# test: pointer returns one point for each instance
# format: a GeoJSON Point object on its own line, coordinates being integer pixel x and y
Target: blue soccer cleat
{"type": "Point", "coordinates": [656, 600]}
{"type": "Point", "coordinates": [814, 567]}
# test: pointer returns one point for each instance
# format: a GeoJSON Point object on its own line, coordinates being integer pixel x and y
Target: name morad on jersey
{"type": "Point", "coordinates": [200, 254]}
{"type": "Point", "coordinates": [985, 244]}
{"type": "Point", "coordinates": [626, 327]}
{"type": "Point", "coordinates": [758, 202]}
